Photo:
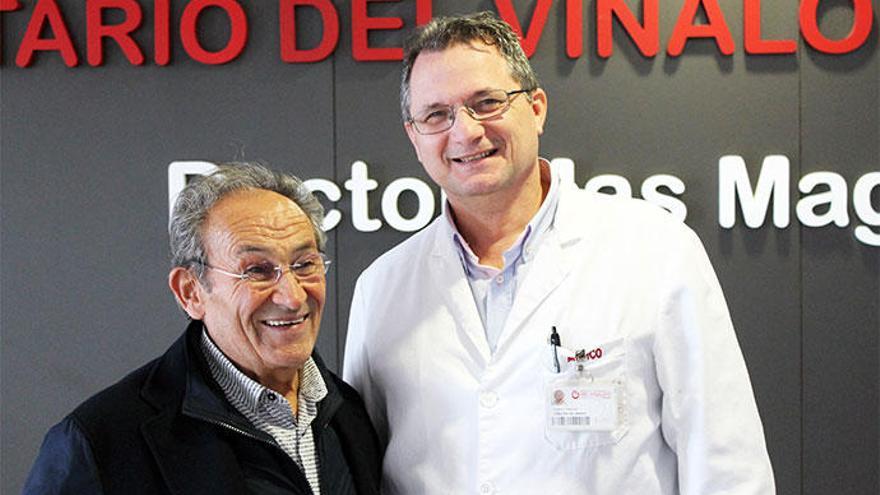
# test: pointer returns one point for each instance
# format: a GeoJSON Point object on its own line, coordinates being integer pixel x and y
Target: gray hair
{"type": "Point", "coordinates": [202, 193]}
{"type": "Point", "coordinates": [444, 32]}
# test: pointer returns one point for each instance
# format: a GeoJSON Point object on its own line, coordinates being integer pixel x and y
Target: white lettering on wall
{"type": "Point", "coordinates": [867, 213]}
{"type": "Point", "coordinates": [619, 186]}
{"type": "Point", "coordinates": [733, 183]}
{"type": "Point", "coordinates": [651, 193]}
{"type": "Point", "coordinates": [820, 208]}
{"type": "Point", "coordinates": [331, 191]}
{"type": "Point", "coordinates": [390, 210]}
{"type": "Point", "coordinates": [359, 185]}
{"type": "Point", "coordinates": [616, 183]}
{"type": "Point", "coordinates": [834, 198]}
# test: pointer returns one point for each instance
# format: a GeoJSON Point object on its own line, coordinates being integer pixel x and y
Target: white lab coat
{"type": "Point", "coordinates": [618, 274]}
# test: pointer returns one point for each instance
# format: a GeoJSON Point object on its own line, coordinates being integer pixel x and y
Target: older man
{"type": "Point", "coordinates": [537, 338]}
{"type": "Point", "coordinates": [241, 403]}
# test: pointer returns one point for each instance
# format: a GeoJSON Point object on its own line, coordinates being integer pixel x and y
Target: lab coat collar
{"type": "Point", "coordinates": [450, 282]}
{"type": "Point", "coordinates": [552, 264]}
{"type": "Point", "coordinates": [565, 220]}
{"type": "Point", "coordinates": [571, 214]}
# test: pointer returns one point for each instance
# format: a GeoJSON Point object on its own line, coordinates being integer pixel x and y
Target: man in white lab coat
{"type": "Point", "coordinates": [536, 338]}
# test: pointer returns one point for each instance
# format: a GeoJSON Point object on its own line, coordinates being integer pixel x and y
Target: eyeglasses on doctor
{"type": "Point", "coordinates": [485, 105]}
{"type": "Point", "coordinates": [265, 274]}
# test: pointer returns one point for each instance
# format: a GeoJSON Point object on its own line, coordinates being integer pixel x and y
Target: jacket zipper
{"type": "Point", "coordinates": [238, 430]}
{"type": "Point", "coordinates": [249, 435]}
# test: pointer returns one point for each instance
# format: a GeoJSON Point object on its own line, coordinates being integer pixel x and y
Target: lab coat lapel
{"type": "Point", "coordinates": [552, 263]}
{"type": "Point", "coordinates": [548, 270]}
{"type": "Point", "coordinates": [450, 281]}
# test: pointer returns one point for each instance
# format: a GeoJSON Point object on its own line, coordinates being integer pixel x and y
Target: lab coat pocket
{"type": "Point", "coordinates": [585, 404]}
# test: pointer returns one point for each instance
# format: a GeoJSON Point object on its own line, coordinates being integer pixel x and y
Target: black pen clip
{"type": "Point", "coordinates": [555, 342]}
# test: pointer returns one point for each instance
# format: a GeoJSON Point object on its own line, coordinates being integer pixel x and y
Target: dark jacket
{"type": "Point", "coordinates": [167, 428]}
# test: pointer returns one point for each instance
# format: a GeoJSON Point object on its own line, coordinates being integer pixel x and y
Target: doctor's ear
{"type": "Point", "coordinates": [539, 108]}
{"type": "Point", "coordinates": [188, 291]}
{"type": "Point", "coordinates": [413, 138]}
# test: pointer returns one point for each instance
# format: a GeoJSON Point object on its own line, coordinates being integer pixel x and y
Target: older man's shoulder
{"type": "Point", "coordinates": [118, 404]}
{"type": "Point", "coordinates": [128, 402]}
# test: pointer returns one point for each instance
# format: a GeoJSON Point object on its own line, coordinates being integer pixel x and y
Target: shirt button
{"type": "Point", "coordinates": [271, 397]}
{"type": "Point", "coordinates": [487, 488]}
{"type": "Point", "coordinates": [488, 399]}
{"type": "Point", "coordinates": [499, 279]}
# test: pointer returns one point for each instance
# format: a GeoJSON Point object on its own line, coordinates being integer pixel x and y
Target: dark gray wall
{"type": "Point", "coordinates": [83, 198]}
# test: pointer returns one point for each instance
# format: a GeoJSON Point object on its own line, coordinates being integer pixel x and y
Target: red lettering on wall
{"type": "Point", "coordinates": [574, 28]}
{"type": "Point", "coordinates": [290, 53]}
{"type": "Point", "coordinates": [7, 6]}
{"type": "Point", "coordinates": [863, 18]}
{"type": "Point", "coordinates": [162, 31]}
{"type": "Point", "coordinates": [47, 29]}
{"type": "Point", "coordinates": [238, 31]}
{"type": "Point", "coordinates": [424, 12]}
{"type": "Point", "coordinates": [362, 24]}
{"type": "Point", "coordinates": [715, 28]}
{"type": "Point", "coordinates": [46, 11]}
{"type": "Point", "coordinates": [536, 26]}
{"type": "Point", "coordinates": [646, 36]}
{"type": "Point", "coordinates": [752, 33]}
{"type": "Point", "coordinates": [96, 30]}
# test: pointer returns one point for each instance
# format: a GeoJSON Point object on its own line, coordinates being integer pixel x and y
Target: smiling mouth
{"type": "Point", "coordinates": [285, 323]}
{"type": "Point", "coordinates": [475, 157]}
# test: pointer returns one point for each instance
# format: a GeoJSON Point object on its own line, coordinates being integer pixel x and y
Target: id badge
{"type": "Point", "coordinates": [577, 402]}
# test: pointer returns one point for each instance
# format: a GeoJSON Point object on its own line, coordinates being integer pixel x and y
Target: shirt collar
{"type": "Point", "coordinates": [526, 243]}
{"type": "Point", "coordinates": [235, 383]}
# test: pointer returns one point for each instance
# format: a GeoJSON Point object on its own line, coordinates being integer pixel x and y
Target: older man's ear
{"type": "Point", "coordinates": [188, 292]}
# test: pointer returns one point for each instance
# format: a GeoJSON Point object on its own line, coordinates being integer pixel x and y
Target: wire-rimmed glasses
{"type": "Point", "coordinates": [482, 106]}
{"type": "Point", "coordinates": [265, 274]}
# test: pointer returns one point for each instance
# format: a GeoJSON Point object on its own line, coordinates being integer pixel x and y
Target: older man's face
{"type": "Point", "coordinates": [270, 329]}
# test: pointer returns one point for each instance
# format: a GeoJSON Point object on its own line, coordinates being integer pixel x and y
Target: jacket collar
{"type": "Point", "coordinates": [333, 400]}
{"type": "Point", "coordinates": [199, 396]}
{"type": "Point", "coordinates": [182, 379]}
{"type": "Point", "coordinates": [180, 385]}
{"type": "Point", "coordinates": [177, 384]}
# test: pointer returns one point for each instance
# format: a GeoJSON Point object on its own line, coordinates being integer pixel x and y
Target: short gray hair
{"type": "Point", "coordinates": [444, 32]}
{"type": "Point", "coordinates": [202, 193]}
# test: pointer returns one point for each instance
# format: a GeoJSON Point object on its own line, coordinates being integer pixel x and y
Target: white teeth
{"type": "Point", "coordinates": [475, 157]}
{"type": "Point", "coordinates": [284, 323]}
